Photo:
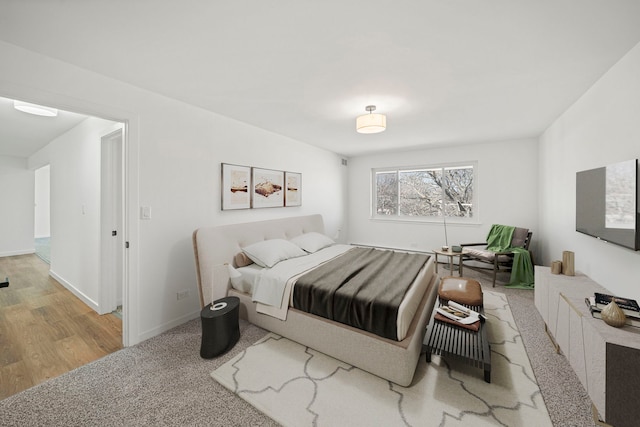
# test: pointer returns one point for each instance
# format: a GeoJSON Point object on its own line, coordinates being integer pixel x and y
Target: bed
{"type": "Point", "coordinates": [388, 358]}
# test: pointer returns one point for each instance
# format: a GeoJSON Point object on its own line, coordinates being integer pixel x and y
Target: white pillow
{"type": "Point", "coordinates": [270, 252]}
{"type": "Point", "coordinates": [243, 281]}
{"type": "Point", "coordinates": [312, 242]}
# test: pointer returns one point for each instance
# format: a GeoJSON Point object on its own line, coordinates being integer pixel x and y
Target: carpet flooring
{"type": "Point", "coordinates": [164, 382]}
{"type": "Point", "coordinates": [299, 386]}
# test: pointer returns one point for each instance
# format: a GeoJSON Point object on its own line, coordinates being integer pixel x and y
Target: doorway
{"type": "Point", "coordinates": [75, 196]}
{"type": "Point", "coordinates": [42, 213]}
{"type": "Point", "coordinates": [112, 223]}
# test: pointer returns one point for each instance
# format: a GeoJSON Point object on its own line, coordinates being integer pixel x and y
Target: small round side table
{"type": "Point", "coordinates": [449, 253]}
{"type": "Point", "coordinates": [220, 329]}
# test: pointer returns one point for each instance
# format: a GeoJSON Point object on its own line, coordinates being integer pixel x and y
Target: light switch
{"type": "Point", "coordinates": [145, 212]}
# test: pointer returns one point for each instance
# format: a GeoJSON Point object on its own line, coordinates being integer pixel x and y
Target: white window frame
{"type": "Point", "coordinates": [430, 219]}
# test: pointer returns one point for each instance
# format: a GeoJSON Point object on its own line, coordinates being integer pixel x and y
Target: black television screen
{"type": "Point", "coordinates": [607, 203]}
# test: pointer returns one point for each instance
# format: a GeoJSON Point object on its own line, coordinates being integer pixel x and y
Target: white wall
{"type": "Point", "coordinates": [74, 166]}
{"type": "Point", "coordinates": [16, 207]}
{"type": "Point", "coordinates": [42, 225]}
{"type": "Point", "coordinates": [180, 181]}
{"type": "Point", "coordinates": [507, 194]}
{"type": "Point", "coordinates": [182, 167]}
{"type": "Point", "coordinates": [174, 152]}
{"type": "Point", "coordinates": [601, 128]}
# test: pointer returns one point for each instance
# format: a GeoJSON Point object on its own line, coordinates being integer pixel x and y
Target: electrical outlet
{"type": "Point", "coordinates": [182, 295]}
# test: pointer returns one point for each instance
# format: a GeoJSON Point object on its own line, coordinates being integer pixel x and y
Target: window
{"type": "Point", "coordinates": [424, 192]}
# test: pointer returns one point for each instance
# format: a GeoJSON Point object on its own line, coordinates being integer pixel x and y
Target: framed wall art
{"type": "Point", "coordinates": [293, 193]}
{"type": "Point", "coordinates": [236, 184]}
{"type": "Point", "coordinates": [267, 188]}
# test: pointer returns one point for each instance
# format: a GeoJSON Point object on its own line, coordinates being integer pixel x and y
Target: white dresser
{"type": "Point", "coordinates": [606, 359]}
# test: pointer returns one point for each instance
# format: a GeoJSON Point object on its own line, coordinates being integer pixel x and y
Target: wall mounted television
{"type": "Point", "coordinates": [607, 203]}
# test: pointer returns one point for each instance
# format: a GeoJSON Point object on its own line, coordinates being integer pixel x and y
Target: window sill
{"type": "Point", "coordinates": [438, 221]}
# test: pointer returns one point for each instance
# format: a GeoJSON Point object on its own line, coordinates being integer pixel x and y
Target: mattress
{"type": "Point", "coordinates": [287, 271]}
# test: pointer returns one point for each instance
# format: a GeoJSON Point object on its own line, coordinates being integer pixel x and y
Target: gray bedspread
{"type": "Point", "coordinates": [362, 288]}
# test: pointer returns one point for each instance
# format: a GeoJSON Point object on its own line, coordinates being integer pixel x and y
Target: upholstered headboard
{"type": "Point", "coordinates": [215, 246]}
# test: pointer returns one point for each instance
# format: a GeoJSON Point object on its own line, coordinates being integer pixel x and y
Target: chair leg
{"type": "Point", "coordinates": [495, 271]}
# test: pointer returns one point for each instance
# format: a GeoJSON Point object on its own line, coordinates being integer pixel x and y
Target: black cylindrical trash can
{"type": "Point", "coordinates": [220, 329]}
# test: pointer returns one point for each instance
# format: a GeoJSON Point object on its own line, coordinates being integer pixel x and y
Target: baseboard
{"type": "Point", "coordinates": [85, 299]}
{"type": "Point", "coordinates": [14, 253]}
{"type": "Point", "coordinates": [168, 325]}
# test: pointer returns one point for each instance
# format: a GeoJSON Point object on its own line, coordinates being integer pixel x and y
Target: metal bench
{"type": "Point", "coordinates": [449, 340]}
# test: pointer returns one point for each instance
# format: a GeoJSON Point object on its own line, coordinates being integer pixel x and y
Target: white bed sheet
{"type": "Point", "coordinates": [274, 285]}
{"type": "Point", "coordinates": [271, 284]}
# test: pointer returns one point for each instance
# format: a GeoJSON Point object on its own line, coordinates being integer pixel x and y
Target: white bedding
{"type": "Point", "coordinates": [271, 288]}
{"type": "Point", "coordinates": [271, 284]}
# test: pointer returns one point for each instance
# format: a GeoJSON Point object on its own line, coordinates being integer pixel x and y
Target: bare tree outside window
{"type": "Point", "coordinates": [425, 192]}
{"type": "Point", "coordinates": [386, 193]}
{"type": "Point", "coordinates": [458, 190]}
{"type": "Point", "coordinates": [420, 193]}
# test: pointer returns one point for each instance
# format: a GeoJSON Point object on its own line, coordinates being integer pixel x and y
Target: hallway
{"type": "Point", "coordinates": [45, 330]}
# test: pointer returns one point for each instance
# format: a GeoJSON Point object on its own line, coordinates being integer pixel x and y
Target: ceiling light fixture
{"type": "Point", "coordinates": [38, 110]}
{"type": "Point", "coordinates": [372, 122]}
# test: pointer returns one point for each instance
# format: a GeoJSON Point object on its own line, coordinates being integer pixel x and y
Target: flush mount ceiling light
{"type": "Point", "coordinates": [38, 110]}
{"type": "Point", "coordinates": [372, 122]}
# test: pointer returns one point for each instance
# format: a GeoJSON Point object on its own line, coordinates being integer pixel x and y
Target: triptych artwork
{"type": "Point", "coordinates": [245, 187]}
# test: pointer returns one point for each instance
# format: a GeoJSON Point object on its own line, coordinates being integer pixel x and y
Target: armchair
{"type": "Point", "coordinates": [499, 260]}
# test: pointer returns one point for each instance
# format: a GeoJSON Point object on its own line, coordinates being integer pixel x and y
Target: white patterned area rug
{"type": "Point", "coordinates": [297, 386]}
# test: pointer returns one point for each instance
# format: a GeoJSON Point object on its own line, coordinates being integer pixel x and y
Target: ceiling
{"type": "Point", "coordinates": [444, 72]}
{"type": "Point", "coordinates": [22, 134]}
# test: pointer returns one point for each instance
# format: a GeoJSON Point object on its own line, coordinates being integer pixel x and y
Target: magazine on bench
{"type": "Point", "coordinates": [459, 313]}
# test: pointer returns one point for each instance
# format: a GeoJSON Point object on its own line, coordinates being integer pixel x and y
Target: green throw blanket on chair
{"type": "Point", "coordinates": [522, 270]}
{"type": "Point", "coordinates": [499, 240]}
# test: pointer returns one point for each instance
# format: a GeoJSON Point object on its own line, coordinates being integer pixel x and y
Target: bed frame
{"type": "Point", "coordinates": [395, 361]}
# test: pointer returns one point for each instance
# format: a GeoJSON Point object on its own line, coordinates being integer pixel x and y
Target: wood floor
{"type": "Point", "coordinates": [45, 330]}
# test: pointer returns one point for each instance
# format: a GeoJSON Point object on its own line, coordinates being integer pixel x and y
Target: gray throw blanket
{"type": "Point", "coordinates": [362, 288]}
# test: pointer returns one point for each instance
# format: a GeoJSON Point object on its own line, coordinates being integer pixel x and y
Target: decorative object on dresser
{"type": "Point", "coordinates": [598, 303]}
{"type": "Point", "coordinates": [556, 267]}
{"type": "Point", "coordinates": [593, 349]}
{"type": "Point", "coordinates": [568, 262]}
{"type": "Point", "coordinates": [597, 314]}
{"type": "Point", "coordinates": [613, 315]}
